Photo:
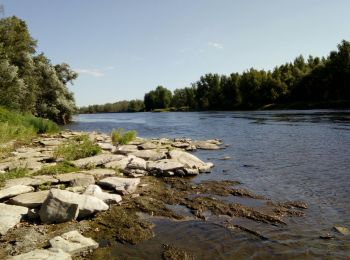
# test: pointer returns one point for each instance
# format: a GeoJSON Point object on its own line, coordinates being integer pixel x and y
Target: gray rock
{"type": "Point", "coordinates": [119, 164]}
{"type": "Point", "coordinates": [10, 216]}
{"type": "Point", "coordinates": [121, 185]}
{"type": "Point", "coordinates": [147, 146]}
{"type": "Point", "coordinates": [343, 230]}
{"type": "Point", "coordinates": [96, 191]}
{"type": "Point", "coordinates": [190, 161]}
{"type": "Point", "coordinates": [95, 160]}
{"type": "Point", "coordinates": [107, 147]}
{"type": "Point", "coordinates": [207, 145]}
{"type": "Point", "coordinates": [61, 206]}
{"type": "Point", "coordinates": [73, 243]}
{"type": "Point", "coordinates": [76, 179]}
{"type": "Point", "coordinates": [137, 163]}
{"type": "Point", "coordinates": [126, 149]}
{"type": "Point", "coordinates": [99, 173]}
{"type": "Point", "coordinates": [50, 142]}
{"type": "Point", "coordinates": [33, 214]}
{"type": "Point", "coordinates": [166, 165]}
{"type": "Point", "coordinates": [43, 254]}
{"type": "Point", "coordinates": [76, 189]}
{"type": "Point", "coordinates": [135, 173]}
{"type": "Point", "coordinates": [14, 191]}
{"type": "Point", "coordinates": [30, 181]}
{"type": "Point", "coordinates": [149, 155]}
{"type": "Point", "coordinates": [31, 199]}
{"type": "Point", "coordinates": [182, 145]}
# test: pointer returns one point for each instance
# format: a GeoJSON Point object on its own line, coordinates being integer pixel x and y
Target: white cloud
{"type": "Point", "coordinates": [215, 45]}
{"type": "Point", "coordinates": [97, 73]}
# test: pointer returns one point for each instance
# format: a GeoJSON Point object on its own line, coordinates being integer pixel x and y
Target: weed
{"type": "Point", "coordinates": [119, 136]}
{"type": "Point", "coordinates": [62, 167]}
{"type": "Point", "coordinates": [13, 174]}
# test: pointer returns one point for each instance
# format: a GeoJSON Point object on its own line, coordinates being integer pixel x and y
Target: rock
{"type": "Point", "coordinates": [50, 142]}
{"type": "Point", "coordinates": [45, 179]}
{"type": "Point", "coordinates": [147, 146]}
{"type": "Point", "coordinates": [73, 243]}
{"type": "Point", "coordinates": [182, 145]}
{"type": "Point", "coordinates": [99, 173]}
{"type": "Point", "coordinates": [135, 173]}
{"type": "Point", "coordinates": [207, 145]}
{"type": "Point", "coordinates": [190, 161]}
{"type": "Point", "coordinates": [10, 216]}
{"type": "Point", "coordinates": [119, 164]}
{"type": "Point", "coordinates": [31, 199]}
{"type": "Point", "coordinates": [76, 179]}
{"type": "Point", "coordinates": [107, 147]}
{"type": "Point", "coordinates": [43, 254]}
{"type": "Point", "coordinates": [95, 160]}
{"type": "Point", "coordinates": [149, 155]}
{"type": "Point", "coordinates": [97, 192]}
{"type": "Point", "coordinates": [30, 181]}
{"type": "Point", "coordinates": [342, 230]}
{"type": "Point", "coordinates": [121, 185]}
{"type": "Point", "coordinates": [165, 165]}
{"type": "Point", "coordinates": [126, 149]}
{"type": "Point", "coordinates": [33, 214]}
{"type": "Point", "coordinates": [137, 163]}
{"type": "Point", "coordinates": [61, 206]}
{"type": "Point", "coordinates": [76, 189]}
{"type": "Point", "coordinates": [14, 191]}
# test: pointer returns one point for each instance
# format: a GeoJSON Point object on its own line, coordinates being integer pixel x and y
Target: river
{"type": "Point", "coordinates": [283, 155]}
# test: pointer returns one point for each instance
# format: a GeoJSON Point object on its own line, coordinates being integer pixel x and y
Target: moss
{"type": "Point", "coordinates": [174, 253]}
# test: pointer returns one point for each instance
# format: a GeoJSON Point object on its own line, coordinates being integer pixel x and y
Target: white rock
{"type": "Point", "coordinates": [97, 192]}
{"type": "Point", "coordinates": [121, 185]}
{"type": "Point", "coordinates": [137, 163]}
{"type": "Point", "coordinates": [76, 179]}
{"type": "Point", "coordinates": [149, 155]}
{"type": "Point", "coordinates": [107, 147]}
{"type": "Point", "coordinates": [189, 160]}
{"type": "Point", "coordinates": [126, 149]}
{"type": "Point", "coordinates": [120, 164]}
{"type": "Point", "coordinates": [10, 216]}
{"type": "Point", "coordinates": [30, 200]}
{"type": "Point", "coordinates": [43, 254]}
{"type": "Point", "coordinates": [14, 191]}
{"type": "Point", "coordinates": [164, 165]}
{"type": "Point", "coordinates": [73, 243]}
{"type": "Point", "coordinates": [96, 160]}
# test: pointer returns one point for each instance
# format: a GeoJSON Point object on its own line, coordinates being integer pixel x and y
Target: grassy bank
{"type": "Point", "coordinates": [22, 127]}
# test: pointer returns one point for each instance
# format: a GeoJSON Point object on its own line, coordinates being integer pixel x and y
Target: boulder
{"type": "Point", "coordinates": [96, 160]}
{"type": "Point", "coordinates": [147, 146]}
{"type": "Point", "coordinates": [137, 163]}
{"type": "Point", "coordinates": [76, 179]}
{"type": "Point", "coordinates": [121, 185]}
{"type": "Point", "coordinates": [119, 164]}
{"type": "Point", "coordinates": [73, 243]}
{"type": "Point", "coordinates": [14, 191]}
{"type": "Point", "coordinates": [43, 254]}
{"type": "Point", "coordinates": [10, 216]}
{"type": "Point", "coordinates": [149, 155]}
{"type": "Point", "coordinates": [96, 191]}
{"type": "Point", "coordinates": [126, 149]}
{"type": "Point", "coordinates": [61, 206]}
{"type": "Point", "coordinates": [190, 161]}
{"type": "Point", "coordinates": [31, 199]}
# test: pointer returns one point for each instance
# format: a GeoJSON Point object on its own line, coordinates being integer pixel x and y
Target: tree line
{"type": "Point", "coordinates": [29, 82]}
{"type": "Point", "coordinates": [304, 81]}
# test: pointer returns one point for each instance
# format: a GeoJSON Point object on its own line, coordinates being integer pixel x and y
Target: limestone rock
{"type": "Point", "coordinates": [10, 216]}
{"type": "Point", "coordinates": [99, 173]}
{"type": "Point", "coordinates": [43, 254]}
{"type": "Point", "coordinates": [149, 155]}
{"type": "Point", "coordinates": [76, 179]}
{"type": "Point", "coordinates": [30, 181]}
{"type": "Point", "coordinates": [119, 164]}
{"type": "Point", "coordinates": [14, 191]}
{"type": "Point", "coordinates": [343, 230]}
{"type": "Point", "coordinates": [126, 149]}
{"type": "Point", "coordinates": [97, 192]}
{"type": "Point", "coordinates": [121, 185]}
{"type": "Point", "coordinates": [31, 199]}
{"type": "Point", "coordinates": [190, 161]}
{"type": "Point", "coordinates": [50, 142]}
{"type": "Point", "coordinates": [166, 165]}
{"type": "Point", "coordinates": [147, 146]}
{"type": "Point", "coordinates": [96, 160]}
{"type": "Point", "coordinates": [73, 243]}
{"type": "Point", "coordinates": [207, 145]}
{"type": "Point", "coordinates": [107, 147]}
{"type": "Point", "coordinates": [137, 163]}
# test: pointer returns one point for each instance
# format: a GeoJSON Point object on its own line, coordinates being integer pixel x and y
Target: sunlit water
{"type": "Point", "coordinates": [283, 155]}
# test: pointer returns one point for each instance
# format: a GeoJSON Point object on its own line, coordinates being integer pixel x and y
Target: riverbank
{"type": "Point", "coordinates": [157, 183]}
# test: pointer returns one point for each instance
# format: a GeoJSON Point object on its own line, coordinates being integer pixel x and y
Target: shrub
{"type": "Point", "coordinates": [119, 136]}
{"type": "Point", "coordinates": [73, 150]}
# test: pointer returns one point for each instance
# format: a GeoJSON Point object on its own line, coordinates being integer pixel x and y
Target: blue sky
{"type": "Point", "coordinates": [123, 49]}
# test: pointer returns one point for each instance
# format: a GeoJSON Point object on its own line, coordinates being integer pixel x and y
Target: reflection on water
{"type": "Point", "coordinates": [283, 155]}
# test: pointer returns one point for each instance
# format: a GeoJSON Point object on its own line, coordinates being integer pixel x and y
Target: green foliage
{"type": "Point", "coordinates": [13, 174]}
{"type": "Point", "coordinates": [119, 136]}
{"type": "Point", "coordinates": [22, 127]}
{"type": "Point", "coordinates": [73, 150]}
{"type": "Point", "coordinates": [158, 98]}
{"type": "Point", "coordinates": [62, 167]}
{"type": "Point", "coordinates": [120, 106]}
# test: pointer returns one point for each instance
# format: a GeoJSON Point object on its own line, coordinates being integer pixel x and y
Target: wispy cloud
{"type": "Point", "coordinates": [97, 73]}
{"type": "Point", "coordinates": [215, 45]}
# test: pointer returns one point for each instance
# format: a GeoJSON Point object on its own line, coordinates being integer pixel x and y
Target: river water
{"type": "Point", "coordinates": [283, 155]}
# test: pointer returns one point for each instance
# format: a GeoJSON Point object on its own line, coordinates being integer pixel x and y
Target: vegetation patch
{"type": "Point", "coordinates": [120, 136]}
{"type": "Point", "coordinates": [13, 174]}
{"type": "Point", "coordinates": [174, 253]}
{"type": "Point", "coordinates": [77, 148]}
{"type": "Point", "coordinates": [62, 167]}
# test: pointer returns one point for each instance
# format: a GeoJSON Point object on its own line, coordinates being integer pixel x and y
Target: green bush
{"type": "Point", "coordinates": [73, 149]}
{"type": "Point", "coordinates": [119, 136]}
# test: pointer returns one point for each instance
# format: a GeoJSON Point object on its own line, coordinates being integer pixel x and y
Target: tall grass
{"type": "Point", "coordinates": [120, 136]}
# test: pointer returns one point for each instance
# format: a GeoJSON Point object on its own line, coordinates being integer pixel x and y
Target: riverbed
{"type": "Point", "coordinates": [282, 155]}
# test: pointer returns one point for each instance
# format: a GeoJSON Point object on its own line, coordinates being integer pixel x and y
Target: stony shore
{"type": "Point", "coordinates": [61, 215]}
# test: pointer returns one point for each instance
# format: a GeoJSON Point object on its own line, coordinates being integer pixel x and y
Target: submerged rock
{"type": "Point", "coordinates": [10, 216]}
{"type": "Point", "coordinates": [73, 243]}
{"type": "Point", "coordinates": [121, 185]}
{"type": "Point", "coordinates": [14, 191]}
{"type": "Point", "coordinates": [343, 230]}
{"type": "Point", "coordinates": [43, 254]}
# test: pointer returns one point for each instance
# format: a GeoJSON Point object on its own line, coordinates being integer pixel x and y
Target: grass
{"type": "Point", "coordinates": [13, 174]}
{"type": "Point", "coordinates": [23, 127]}
{"type": "Point", "coordinates": [76, 149]}
{"type": "Point", "coordinates": [62, 167]}
{"type": "Point", "coordinates": [120, 136]}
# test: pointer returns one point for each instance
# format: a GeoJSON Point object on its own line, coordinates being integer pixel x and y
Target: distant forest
{"type": "Point", "coordinates": [303, 83]}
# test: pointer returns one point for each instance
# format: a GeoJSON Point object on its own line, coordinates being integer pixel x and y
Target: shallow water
{"type": "Point", "coordinates": [283, 155]}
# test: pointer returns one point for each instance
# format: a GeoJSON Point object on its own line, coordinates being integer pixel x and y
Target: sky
{"type": "Point", "coordinates": [125, 48]}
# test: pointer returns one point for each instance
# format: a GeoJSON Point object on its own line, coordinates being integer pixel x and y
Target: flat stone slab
{"type": "Point", "coordinates": [43, 254]}
{"type": "Point", "coordinates": [73, 243]}
{"type": "Point", "coordinates": [190, 161]}
{"type": "Point", "coordinates": [164, 165]}
{"type": "Point", "coordinates": [100, 173]}
{"type": "Point", "coordinates": [121, 185]}
{"type": "Point", "coordinates": [50, 142]}
{"type": "Point", "coordinates": [126, 149]}
{"type": "Point", "coordinates": [76, 179]}
{"type": "Point", "coordinates": [137, 163]}
{"type": "Point", "coordinates": [14, 191]}
{"type": "Point", "coordinates": [30, 200]}
{"type": "Point", "coordinates": [10, 216]}
{"type": "Point", "coordinates": [149, 155]}
{"type": "Point", "coordinates": [30, 181]}
{"type": "Point", "coordinates": [62, 205]}
{"type": "Point", "coordinates": [96, 160]}
{"type": "Point", "coordinates": [107, 146]}
{"type": "Point", "coordinates": [207, 145]}
{"type": "Point", "coordinates": [147, 146]}
{"type": "Point", "coordinates": [96, 191]}
{"type": "Point", "coordinates": [119, 164]}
